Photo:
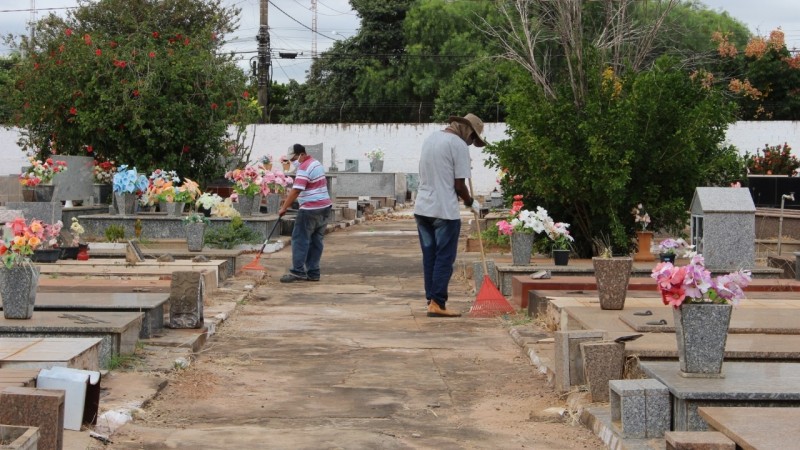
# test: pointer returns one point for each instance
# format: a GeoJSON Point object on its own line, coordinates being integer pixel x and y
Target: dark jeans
{"type": "Point", "coordinates": [438, 239]}
{"type": "Point", "coordinates": [309, 230]}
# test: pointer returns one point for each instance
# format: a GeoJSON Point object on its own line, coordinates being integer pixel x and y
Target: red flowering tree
{"type": "Point", "coordinates": [141, 82]}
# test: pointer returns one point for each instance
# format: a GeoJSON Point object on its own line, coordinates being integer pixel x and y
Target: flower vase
{"type": "Point", "coordinates": [286, 166]}
{"type": "Point", "coordinates": [173, 209]}
{"type": "Point", "coordinates": [18, 290]}
{"type": "Point", "coordinates": [273, 203]}
{"type": "Point", "coordinates": [267, 167]}
{"type": "Point", "coordinates": [376, 165]}
{"type": "Point", "coordinates": [702, 331]}
{"type": "Point", "coordinates": [667, 257]}
{"type": "Point", "coordinates": [38, 193]}
{"type": "Point", "coordinates": [561, 257]}
{"type": "Point", "coordinates": [244, 205]}
{"type": "Point", "coordinates": [612, 276]}
{"type": "Point", "coordinates": [83, 252]}
{"type": "Point", "coordinates": [204, 211]}
{"type": "Point", "coordinates": [126, 203]}
{"type": "Point", "coordinates": [521, 248]}
{"type": "Point", "coordinates": [69, 252]}
{"type": "Point", "coordinates": [101, 193]}
{"type": "Point", "coordinates": [195, 234]}
{"type": "Point", "coordinates": [644, 240]}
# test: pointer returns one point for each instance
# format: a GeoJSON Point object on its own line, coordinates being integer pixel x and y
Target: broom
{"type": "Point", "coordinates": [490, 302]}
{"type": "Point", "coordinates": [255, 264]}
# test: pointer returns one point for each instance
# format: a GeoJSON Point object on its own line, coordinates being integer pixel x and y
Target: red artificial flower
{"type": "Point", "coordinates": [214, 106]}
{"type": "Point", "coordinates": [98, 52]}
{"type": "Point", "coordinates": [155, 35]}
{"type": "Point", "coordinates": [74, 111]}
{"type": "Point", "coordinates": [89, 149]}
{"type": "Point", "coordinates": [152, 54]}
{"type": "Point", "coordinates": [87, 39]}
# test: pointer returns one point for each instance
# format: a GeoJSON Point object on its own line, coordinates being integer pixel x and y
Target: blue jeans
{"type": "Point", "coordinates": [307, 235]}
{"type": "Point", "coordinates": [438, 239]}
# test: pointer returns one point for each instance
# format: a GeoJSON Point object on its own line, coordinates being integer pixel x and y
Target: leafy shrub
{"type": "Point", "coordinates": [232, 235]}
{"type": "Point", "coordinates": [115, 233]}
{"type": "Point", "coordinates": [772, 160]}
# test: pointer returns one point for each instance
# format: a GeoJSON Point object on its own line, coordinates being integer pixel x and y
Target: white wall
{"type": "Point", "coordinates": [402, 142]}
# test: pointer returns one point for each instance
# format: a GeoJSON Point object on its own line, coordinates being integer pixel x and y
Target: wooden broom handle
{"type": "Point", "coordinates": [478, 227]}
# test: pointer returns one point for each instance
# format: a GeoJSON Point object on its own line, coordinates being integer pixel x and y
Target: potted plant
{"type": "Point", "coordinates": [102, 176]}
{"type": "Point", "coordinates": [195, 225]}
{"type": "Point", "coordinates": [561, 246]}
{"type": "Point", "coordinates": [266, 162]}
{"type": "Point", "coordinates": [375, 159]}
{"type": "Point", "coordinates": [247, 183]}
{"type": "Point", "coordinates": [702, 308]}
{"type": "Point", "coordinates": [612, 274]}
{"type": "Point", "coordinates": [644, 238]}
{"type": "Point", "coordinates": [37, 179]}
{"type": "Point", "coordinates": [522, 225]}
{"type": "Point", "coordinates": [19, 278]}
{"type": "Point", "coordinates": [48, 251]}
{"type": "Point", "coordinates": [126, 184]}
{"type": "Point", "coordinates": [669, 248]}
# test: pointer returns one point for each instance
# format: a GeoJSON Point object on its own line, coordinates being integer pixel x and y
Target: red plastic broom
{"type": "Point", "coordinates": [489, 302]}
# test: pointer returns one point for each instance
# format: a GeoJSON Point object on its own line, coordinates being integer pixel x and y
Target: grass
{"type": "Point", "coordinates": [521, 317]}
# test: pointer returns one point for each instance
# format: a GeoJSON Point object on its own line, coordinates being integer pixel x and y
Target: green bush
{"type": "Point", "coordinates": [232, 235]}
{"type": "Point", "coordinates": [115, 233]}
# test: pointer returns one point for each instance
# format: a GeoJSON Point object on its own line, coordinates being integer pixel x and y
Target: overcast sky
{"type": "Point", "coordinates": [290, 26]}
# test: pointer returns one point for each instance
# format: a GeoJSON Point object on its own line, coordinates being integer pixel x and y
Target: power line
{"type": "Point", "coordinates": [301, 23]}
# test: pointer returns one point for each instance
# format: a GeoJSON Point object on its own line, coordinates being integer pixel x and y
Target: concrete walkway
{"type": "Point", "coordinates": [349, 362]}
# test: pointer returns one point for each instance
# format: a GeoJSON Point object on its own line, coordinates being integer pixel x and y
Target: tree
{"type": "Point", "coordinates": [605, 125]}
{"type": "Point", "coordinates": [138, 81]}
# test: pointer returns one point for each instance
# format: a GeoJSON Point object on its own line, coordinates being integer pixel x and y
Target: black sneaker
{"type": "Point", "coordinates": [291, 278]}
{"type": "Point", "coordinates": [312, 279]}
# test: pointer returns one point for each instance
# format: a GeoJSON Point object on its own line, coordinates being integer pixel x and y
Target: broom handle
{"type": "Point", "coordinates": [478, 227]}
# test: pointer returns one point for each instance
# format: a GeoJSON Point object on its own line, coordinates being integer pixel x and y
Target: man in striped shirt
{"type": "Point", "coordinates": [310, 189]}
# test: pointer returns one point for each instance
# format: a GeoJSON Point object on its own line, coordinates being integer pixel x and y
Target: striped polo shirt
{"type": "Point", "coordinates": [310, 180]}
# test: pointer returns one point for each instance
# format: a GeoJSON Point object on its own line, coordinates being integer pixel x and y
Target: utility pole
{"type": "Point", "coordinates": [314, 29]}
{"type": "Point", "coordinates": [263, 67]}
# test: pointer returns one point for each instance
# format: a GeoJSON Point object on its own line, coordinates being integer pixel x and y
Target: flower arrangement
{"type": "Point", "coordinates": [523, 220]}
{"type": "Point", "coordinates": [275, 182]}
{"type": "Point", "coordinates": [671, 246]}
{"type": "Point", "coordinates": [558, 232]}
{"type": "Point", "coordinates": [208, 200]}
{"type": "Point", "coordinates": [129, 180]}
{"type": "Point", "coordinates": [103, 172]}
{"type": "Point", "coordinates": [265, 160]}
{"type": "Point", "coordinates": [41, 172]}
{"type": "Point", "coordinates": [196, 218]}
{"type": "Point", "coordinates": [693, 284]}
{"type": "Point", "coordinates": [187, 192]}
{"type": "Point", "coordinates": [246, 181]}
{"type": "Point", "coordinates": [225, 209]}
{"type": "Point", "coordinates": [640, 216]}
{"type": "Point", "coordinates": [375, 154]}
{"type": "Point", "coordinates": [51, 234]}
{"type": "Point", "coordinates": [77, 230]}
{"type": "Point", "coordinates": [19, 241]}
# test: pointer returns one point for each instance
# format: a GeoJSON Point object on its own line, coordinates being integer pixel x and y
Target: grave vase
{"type": "Point", "coordinates": [273, 203]}
{"type": "Point", "coordinates": [521, 248]}
{"type": "Point", "coordinates": [376, 165]}
{"type": "Point", "coordinates": [561, 257]}
{"type": "Point", "coordinates": [612, 276]}
{"type": "Point", "coordinates": [83, 252]}
{"type": "Point", "coordinates": [102, 193]}
{"type": "Point", "coordinates": [701, 330]}
{"type": "Point", "coordinates": [69, 252]}
{"type": "Point", "coordinates": [667, 257]}
{"type": "Point", "coordinates": [644, 240]}
{"type": "Point", "coordinates": [244, 205]}
{"type": "Point", "coordinates": [173, 209]}
{"type": "Point", "coordinates": [195, 234]}
{"type": "Point", "coordinates": [257, 204]}
{"type": "Point", "coordinates": [18, 289]}
{"type": "Point", "coordinates": [126, 203]}
{"type": "Point", "coordinates": [38, 193]}
{"type": "Point", "coordinates": [46, 255]}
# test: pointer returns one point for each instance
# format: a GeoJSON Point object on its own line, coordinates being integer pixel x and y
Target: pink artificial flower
{"type": "Point", "coordinates": [504, 228]}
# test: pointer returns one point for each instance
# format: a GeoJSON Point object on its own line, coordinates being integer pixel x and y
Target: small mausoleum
{"type": "Point", "coordinates": [723, 227]}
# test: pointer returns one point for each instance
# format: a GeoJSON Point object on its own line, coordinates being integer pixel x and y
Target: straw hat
{"type": "Point", "coordinates": [475, 123]}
